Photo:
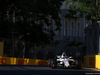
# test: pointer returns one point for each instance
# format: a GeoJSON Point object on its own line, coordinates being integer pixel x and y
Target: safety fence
{"type": "Point", "coordinates": [92, 61]}
{"type": "Point", "coordinates": [21, 61]}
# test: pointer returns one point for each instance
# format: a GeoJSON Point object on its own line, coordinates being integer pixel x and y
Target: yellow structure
{"type": "Point", "coordinates": [21, 61]}
{"type": "Point", "coordinates": [1, 49]}
{"type": "Point", "coordinates": [92, 61]}
{"type": "Point", "coordinates": [97, 61]}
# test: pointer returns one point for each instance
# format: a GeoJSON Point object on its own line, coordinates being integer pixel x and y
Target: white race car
{"type": "Point", "coordinates": [64, 62]}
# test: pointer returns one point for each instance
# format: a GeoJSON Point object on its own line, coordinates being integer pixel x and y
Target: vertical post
{"type": "Point", "coordinates": [99, 38]}
{"type": "Point", "coordinates": [24, 49]}
{"type": "Point", "coordinates": [35, 51]}
{"type": "Point", "coordinates": [96, 2]}
{"type": "Point", "coordinates": [32, 52]}
{"type": "Point", "coordinates": [13, 37]}
{"type": "Point", "coordinates": [15, 46]}
{"type": "Point", "coordinates": [1, 48]}
{"type": "Point", "coordinates": [12, 52]}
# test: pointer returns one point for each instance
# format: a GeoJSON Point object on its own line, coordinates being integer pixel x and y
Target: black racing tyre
{"type": "Point", "coordinates": [78, 64]}
{"type": "Point", "coordinates": [53, 63]}
{"type": "Point", "coordinates": [49, 63]}
{"type": "Point", "coordinates": [58, 65]}
{"type": "Point", "coordinates": [64, 67]}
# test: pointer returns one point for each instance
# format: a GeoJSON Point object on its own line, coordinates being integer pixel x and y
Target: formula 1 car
{"type": "Point", "coordinates": [65, 62]}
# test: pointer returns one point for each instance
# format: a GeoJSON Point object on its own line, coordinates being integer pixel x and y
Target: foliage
{"type": "Point", "coordinates": [26, 18]}
{"type": "Point", "coordinates": [90, 7]}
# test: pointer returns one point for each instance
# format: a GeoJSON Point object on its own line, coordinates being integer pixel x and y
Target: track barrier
{"type": "Point", "coordinates": [92, 61]}
{"type": "Point", "coordinates": [21, 61]}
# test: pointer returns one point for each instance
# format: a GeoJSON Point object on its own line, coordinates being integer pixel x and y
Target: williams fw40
{"type": "Point", "coordinates": [64, 62]}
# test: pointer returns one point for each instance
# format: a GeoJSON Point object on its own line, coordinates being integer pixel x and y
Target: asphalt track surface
{"type": "Point", "coordinates": [44, 70]}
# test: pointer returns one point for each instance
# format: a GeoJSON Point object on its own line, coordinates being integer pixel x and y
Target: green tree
{"type": "Point", "coordinates": [26, 18]}
{"type": "Point", "coordinates": [90, 7]}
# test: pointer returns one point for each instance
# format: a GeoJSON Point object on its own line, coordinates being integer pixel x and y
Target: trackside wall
{"type": "Point", "coordinates": [92, 61]}
{"type": "Point", "coordinates": [21, 61]}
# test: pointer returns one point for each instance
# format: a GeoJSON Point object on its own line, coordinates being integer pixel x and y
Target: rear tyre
{"type": "Point", "coordinates": [53, 63]}
{"type": "Point", "coordinates": [49, 63]}
{"type": "Point", "coordinates": [78, 64]}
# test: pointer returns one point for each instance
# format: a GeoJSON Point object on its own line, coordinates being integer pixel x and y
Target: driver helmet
{"type": "Point", "coordinates": [64, 53]}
